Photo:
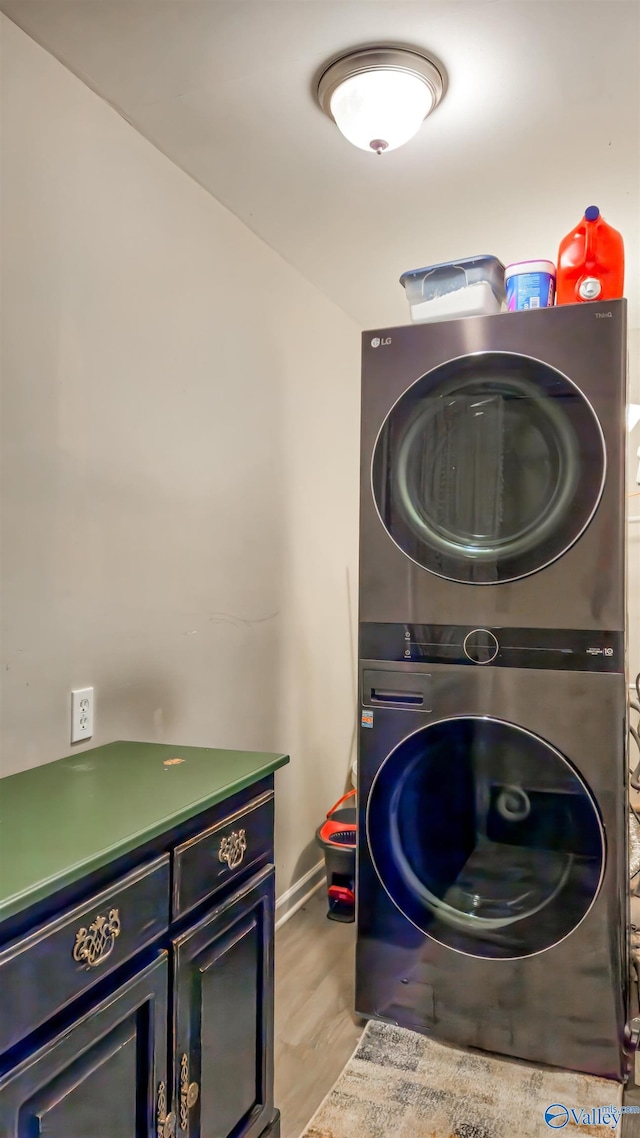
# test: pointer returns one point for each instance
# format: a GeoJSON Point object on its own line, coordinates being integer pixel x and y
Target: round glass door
{"type": "Point", "coordinates": [485, 837]}
{"type": "Point", "coordinates": [488, 468]}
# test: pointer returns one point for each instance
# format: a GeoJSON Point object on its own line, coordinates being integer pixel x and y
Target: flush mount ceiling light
{"type": "Point", "coordinates": [380, 96]}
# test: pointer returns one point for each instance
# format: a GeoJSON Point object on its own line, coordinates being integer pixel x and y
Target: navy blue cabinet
{"type": "Point", "coordinates": [104, 1077]}
{"type": "Point", "coordinates": [139, 1004]}
{"type": "Point", "coordinates": [223, 1017]}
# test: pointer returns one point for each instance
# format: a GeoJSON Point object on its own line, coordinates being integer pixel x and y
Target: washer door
{"type": "Point", "coordinates": [488, 468]}
{"type": "Point", "coordinates": [485, 837]}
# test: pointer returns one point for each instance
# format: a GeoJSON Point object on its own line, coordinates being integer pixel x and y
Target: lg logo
{"type": "Point", "coordinates": [380, 342]}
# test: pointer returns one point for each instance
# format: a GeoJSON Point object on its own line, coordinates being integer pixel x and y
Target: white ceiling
{"type": "Point", "coordinates": [540, 119]}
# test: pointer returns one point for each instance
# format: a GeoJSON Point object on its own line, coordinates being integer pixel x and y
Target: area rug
{"type": "Point", "coordinates": [398, 1084]}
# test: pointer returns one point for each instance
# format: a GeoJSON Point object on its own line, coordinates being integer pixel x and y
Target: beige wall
{"type": "Point", "coordinates": [179, 460]}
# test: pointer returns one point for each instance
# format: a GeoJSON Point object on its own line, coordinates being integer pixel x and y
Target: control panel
{"type": "Point", "coordinates": [564, 649]}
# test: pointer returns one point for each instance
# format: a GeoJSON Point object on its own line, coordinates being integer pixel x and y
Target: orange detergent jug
{"type": "Point", "coordinates": [590, 261]}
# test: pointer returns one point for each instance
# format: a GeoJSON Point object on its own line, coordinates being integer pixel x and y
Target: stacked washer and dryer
{"type": "Point", "coordinates": [492, 861]}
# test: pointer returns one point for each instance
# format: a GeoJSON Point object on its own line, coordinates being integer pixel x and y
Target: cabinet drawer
{"type": "Point", "coordinates": [218, 855]}
{"type": "Point", "coordinates": [43, 972]}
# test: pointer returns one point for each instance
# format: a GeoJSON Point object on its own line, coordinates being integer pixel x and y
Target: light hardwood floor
{"type": "Point", "coordinates": [316, 1031]}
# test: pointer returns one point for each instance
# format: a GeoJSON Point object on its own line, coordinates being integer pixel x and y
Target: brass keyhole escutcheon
{"type": "Point", "coordinates": [188, 1094]}
{"type": "Point", "coordinates": [166, 1123]}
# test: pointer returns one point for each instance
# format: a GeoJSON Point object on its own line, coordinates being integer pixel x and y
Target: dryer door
{"type": "Point", "coordinates": [485, 837]}
{"type": "Point", "coordinates": [488, 468]}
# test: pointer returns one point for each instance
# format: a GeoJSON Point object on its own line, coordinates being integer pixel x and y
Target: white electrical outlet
{"type": "Point", "coordinates": [81, 714]}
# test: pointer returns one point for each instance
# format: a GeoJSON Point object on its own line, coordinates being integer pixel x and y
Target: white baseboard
{"type": "Point", "coordinates": [294, 898]}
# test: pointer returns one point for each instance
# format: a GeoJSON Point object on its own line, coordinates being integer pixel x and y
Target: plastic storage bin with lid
{"type": "Point", "coordinates": [473, 286]}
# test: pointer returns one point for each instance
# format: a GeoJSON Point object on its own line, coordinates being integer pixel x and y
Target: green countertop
{"type": "Point", "coordinates": [65, 819]}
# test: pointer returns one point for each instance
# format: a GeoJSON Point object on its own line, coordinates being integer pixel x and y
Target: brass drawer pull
{"type": "Point", "coordinates": [95, 944]}
{"type": "Point", "coordinates": [188, 1094]}
{"type": "Point", "coordinates": [165, 1123]}
{"type": "Point", "coordinates": [232, 849]}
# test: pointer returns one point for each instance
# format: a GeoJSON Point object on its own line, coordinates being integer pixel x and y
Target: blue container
{"type": "Point", "coordinates": [530, 284]}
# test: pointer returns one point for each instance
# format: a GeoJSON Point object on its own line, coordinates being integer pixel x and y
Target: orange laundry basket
{"type": "Point", "coordinates": [337, 838]}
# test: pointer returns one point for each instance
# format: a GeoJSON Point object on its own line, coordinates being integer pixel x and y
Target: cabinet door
{"type": "Point", "coordinates": [105, 1077]}
{"type": "Point", "coordinates": [223, 1017]}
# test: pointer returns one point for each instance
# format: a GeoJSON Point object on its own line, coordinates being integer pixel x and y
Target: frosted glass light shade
{"type": "Point", "coordinates": [381, 110]}
{"type": "Point", "coordinates": [380, 96]}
